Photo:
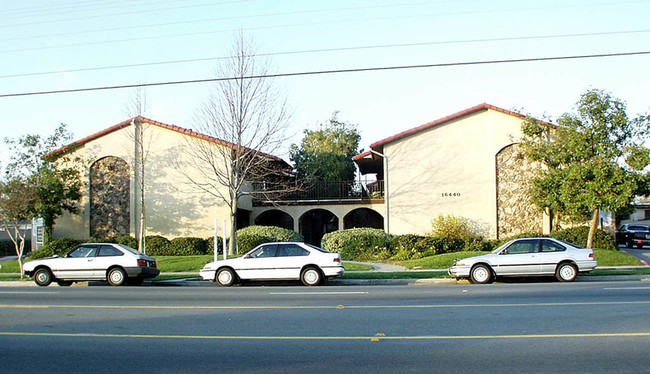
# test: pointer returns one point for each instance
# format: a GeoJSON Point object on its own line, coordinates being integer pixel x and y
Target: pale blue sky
{"type": "Point", "coordinates": [73, 36]}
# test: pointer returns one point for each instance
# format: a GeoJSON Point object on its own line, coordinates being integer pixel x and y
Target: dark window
{"type": "Point", "coordinates": [265, 251]}
{"type": "Point", "coordinates": [107, 250]}
{"type": "Point", "coordinates": [84, 251]}
{"type": "Point", "coordinates": [286, 250]}
{"type": "Point", "coordinates": [551, 246]}
{"type": "Point", "coordinates": [522, 246]}
{"type": "Point", "coordinates": [647, 214]}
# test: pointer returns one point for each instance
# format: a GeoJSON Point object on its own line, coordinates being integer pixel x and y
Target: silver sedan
{"type": "Point", "coordinates": [527, 257]}
{"type": "Point", "coordinates": [115, 263]}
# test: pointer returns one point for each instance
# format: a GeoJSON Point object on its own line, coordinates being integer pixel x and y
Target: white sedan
{"type": "Point", "coordinates": [277, 261]}
{"type": "Point", "coordinates": [526, 257]}
{"type": "Point", "coordinates": [115, 263]}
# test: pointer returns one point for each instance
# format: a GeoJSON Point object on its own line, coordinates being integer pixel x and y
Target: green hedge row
{"type": "Point", "coordinates": [248, 238]}
{"type": "Point", "coordinates": [364, 244]}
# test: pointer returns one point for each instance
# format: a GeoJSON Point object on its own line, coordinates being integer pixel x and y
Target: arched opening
{"type": "Point", "coordinates": [110, 195]}
{"type": "Point", "coordinates": [316, 223]}
{"type": "Point", "coordinates": [363, 217]}
{"type": "Point", "coordinates": [275, 217]}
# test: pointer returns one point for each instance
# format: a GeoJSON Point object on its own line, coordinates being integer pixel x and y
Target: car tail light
{"type": "Point", "coordinates": [336, 259]}
{"type": "Point", "coordinates": [146, 263]}
{"type": "Point", "coordinates": [591, 255]}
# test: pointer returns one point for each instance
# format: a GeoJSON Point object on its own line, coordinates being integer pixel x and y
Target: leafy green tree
{"type": "Point", "coordinates": [326, 154]}
{"type": "Point", "coordinates": [57, 184]}
{"type": "Point", "coordinates": [593, 159]}
{"type": "Point", "coordinates": [17, 205]}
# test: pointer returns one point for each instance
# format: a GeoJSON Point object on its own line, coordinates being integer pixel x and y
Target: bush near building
{"type": "Point", "coordinates": [252, 236]}
{"type": "Point", "coordinates": [375, 245]}
{"type": "Point", "coordinates": [359, 244]}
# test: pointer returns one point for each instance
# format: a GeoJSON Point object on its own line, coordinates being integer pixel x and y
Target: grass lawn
{"type": "Point", "coordinates": [614, 258]}
{"type": "Point", "coordinates": [442, 261]}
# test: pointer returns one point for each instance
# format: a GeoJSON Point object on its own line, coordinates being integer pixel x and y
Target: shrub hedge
{"type": "Point", "coordinates": [252, 236]}
{"type": "Point", "coordinates": [362, 244]}
{"type": "Point", "coordinates": [58, 247]}
{"type": "Point", "coordinates": [358, 243]}
{"type": "Point", "coordinates": [158, 246]}
{"type": "Point", "coordinates": [579, 235]}
{"type": "Point", "coordinates": [188, 246]}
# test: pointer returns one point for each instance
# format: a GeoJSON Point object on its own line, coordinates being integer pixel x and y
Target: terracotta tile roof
{"type": "Point", "coordinates": [73, 146]}
{"type": "Point", "coordinates": [472, 110]}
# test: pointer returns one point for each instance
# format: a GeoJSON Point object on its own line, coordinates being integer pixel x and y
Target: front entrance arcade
{"type": "Point", "coordinates": [314, 221]}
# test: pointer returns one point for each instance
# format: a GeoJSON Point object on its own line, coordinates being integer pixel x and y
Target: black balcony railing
{"type": "Point", "coordinates": [319, 192]}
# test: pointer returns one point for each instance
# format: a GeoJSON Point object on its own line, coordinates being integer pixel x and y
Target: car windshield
{"type": "Point", "coordinates": [638, 228]}
{"type": "Point", "coordinates": [502, 246]}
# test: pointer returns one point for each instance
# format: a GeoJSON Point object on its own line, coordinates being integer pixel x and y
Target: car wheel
{"type": "Point", "coordinates": [225, 277]}
{"type": "Point", "coordinates": [116, 277]}
{"type": "Point", "coordinates": [43, 277]}
{"type": "Point", "coordinates": [311, 276]}
{"type": "Point", "coordinates": [64, 283]}
{"type": "Point", "coordinates": [480, 274]}
{"type": "Point", "coordinates": [566, 272]}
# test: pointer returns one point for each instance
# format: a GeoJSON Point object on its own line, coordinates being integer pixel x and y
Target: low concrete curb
{"type": "Point", "coordinates": [334, 282]}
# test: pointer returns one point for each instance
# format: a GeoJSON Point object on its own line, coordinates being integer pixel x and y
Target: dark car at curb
{"type": "Point", "coordinates": [631, 235]}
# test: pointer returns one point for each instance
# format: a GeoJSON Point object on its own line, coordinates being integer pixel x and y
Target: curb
{"type": "Point", "coordinates": [334, 282]}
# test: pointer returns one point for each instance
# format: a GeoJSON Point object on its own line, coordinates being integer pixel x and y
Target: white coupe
{"type": "Point", "coordinates": [277, 261]}
{"type": "Point", "coordinates": [526, 257]}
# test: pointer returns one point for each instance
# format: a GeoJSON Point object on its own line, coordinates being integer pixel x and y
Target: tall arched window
{"type": "Point", "coordinates": [110, 194]}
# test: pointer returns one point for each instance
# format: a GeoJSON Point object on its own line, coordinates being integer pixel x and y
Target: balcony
{"type": "Point", "coordinates": [319, 193]}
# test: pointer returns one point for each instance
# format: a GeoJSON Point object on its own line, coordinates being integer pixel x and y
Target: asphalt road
{"type": "Point", "coordinates": [500, 328]}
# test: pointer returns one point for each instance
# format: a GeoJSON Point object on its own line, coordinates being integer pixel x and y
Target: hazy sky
{"type": "Point", "coordinates": [69, 44]}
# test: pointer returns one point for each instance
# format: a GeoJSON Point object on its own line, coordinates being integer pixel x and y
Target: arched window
{"type": "Point", "coordinates": [363, 217]}
{"type": "Point", "coordinates": [275, 217]}
{"type": "Point", "coordinates": [316, 223]}
{"type": "Point", "coordinates": [110, 195]}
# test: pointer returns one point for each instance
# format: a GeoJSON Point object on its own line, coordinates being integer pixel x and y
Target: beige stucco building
{"type": "Point", "coordinates": [112, 161]}
{"type": "Point", "coordinates": [466, 165]}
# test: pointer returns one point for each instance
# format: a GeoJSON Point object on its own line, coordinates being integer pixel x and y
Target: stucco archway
{"type": "Point", "coordinates": [110, 195]}
{"type": "Point", "coordinates": [363, 217]}
{"type": "Point", "coordinates": [275, 217]}
{"type": "Point", "coordinates": [317, 222]}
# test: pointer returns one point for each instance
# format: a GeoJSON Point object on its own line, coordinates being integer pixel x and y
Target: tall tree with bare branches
{"type": "Point", "coordinates": [245, 121]}
{"type": "Point", "coordinates": [140, 139]}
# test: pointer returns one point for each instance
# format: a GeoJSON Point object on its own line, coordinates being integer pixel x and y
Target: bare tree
{"type": "Point", "coordinates": [137, 108]}
{"type": "Point", "coordinates": [244, 121]}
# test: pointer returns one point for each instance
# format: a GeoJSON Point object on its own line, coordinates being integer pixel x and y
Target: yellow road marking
{"type": "Point", "coordinates": [367, 338]}
{"type": "Point", "coordinates": [253, 307]}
